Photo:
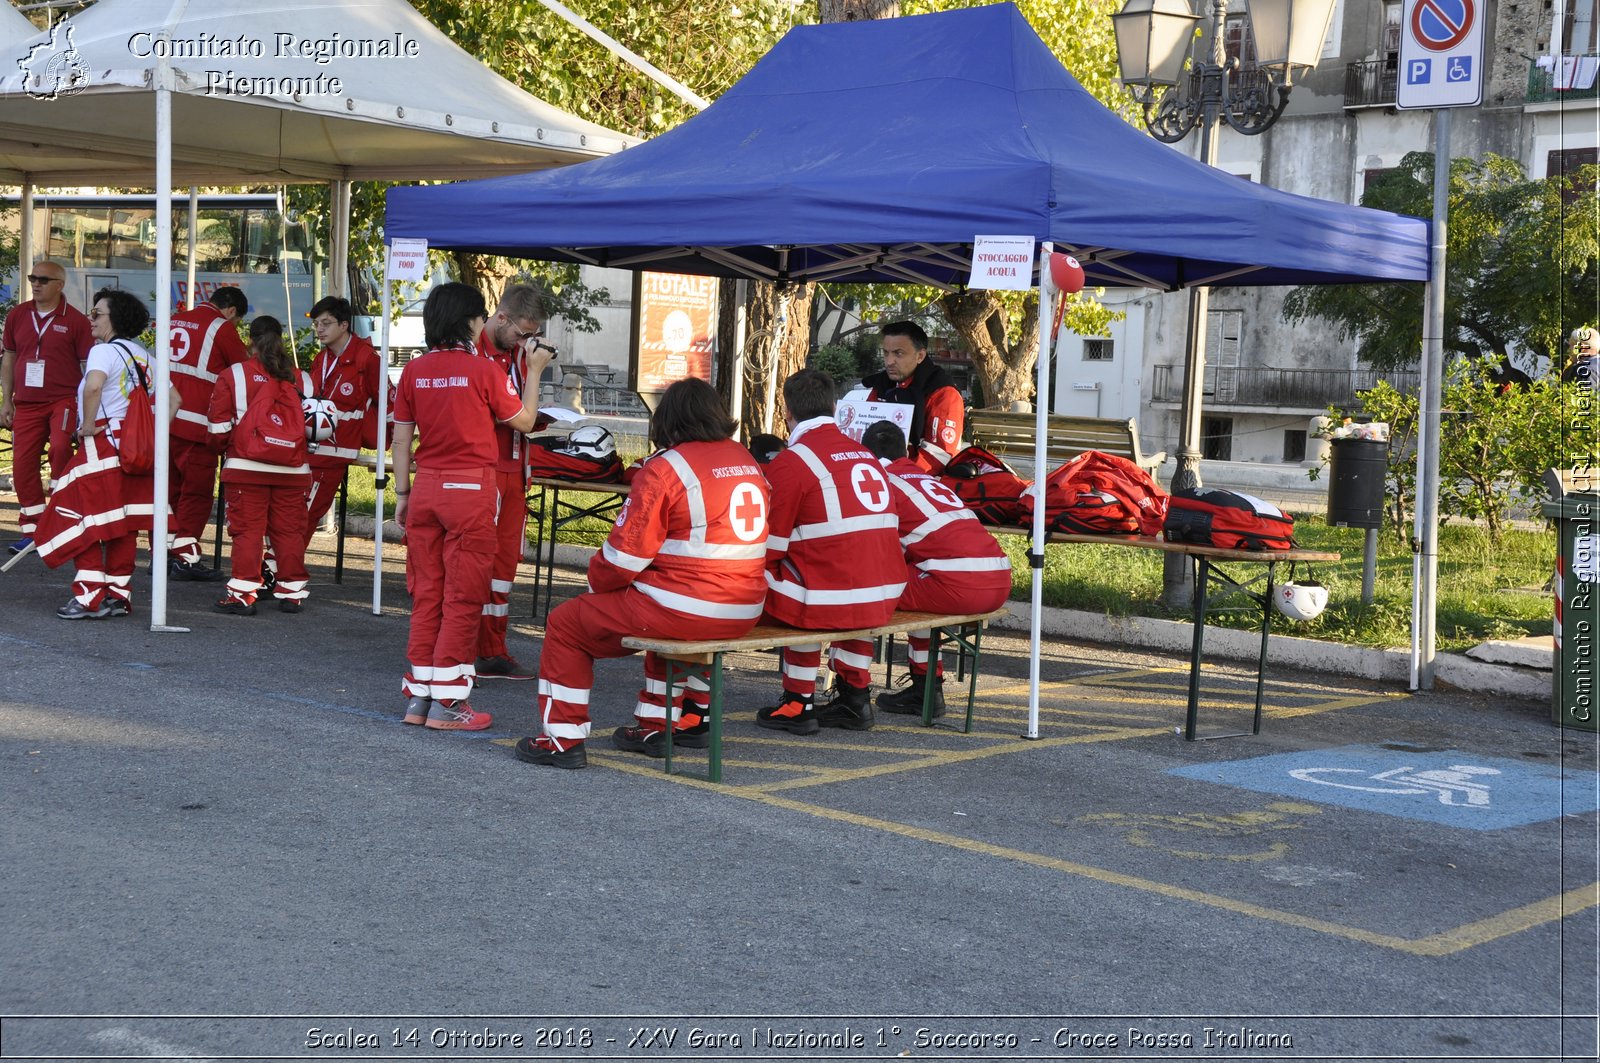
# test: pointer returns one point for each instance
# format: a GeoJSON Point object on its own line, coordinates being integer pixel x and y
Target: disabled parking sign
{"type": "Point", "coordinates": [1441, 54]}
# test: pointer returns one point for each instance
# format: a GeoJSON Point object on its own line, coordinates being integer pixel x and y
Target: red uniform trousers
{"type": "Point", "coordinates": [851, 660]}
{"type": "Point", "coordinates": [36, 426]}
{"type": "Point", "coordinates": [450, 541]}
{"type": "Point", "coordinates": [325, 483]}
{"type": "Point", "coordinates": [510, 538]}
{"type": "Point", "coordinates": [256, 510]}
{"type": "Point", "coordinates": [950, 593]}
{"type": "Point", "coordinates": [192, 490]}
{"type": "Point", "coordinates": [105, 570]}
{"type": "Point", "coordinates": [591, 627]}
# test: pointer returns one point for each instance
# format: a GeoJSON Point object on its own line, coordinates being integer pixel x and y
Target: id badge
{"type": "Point", "coordinates": [33, 373]}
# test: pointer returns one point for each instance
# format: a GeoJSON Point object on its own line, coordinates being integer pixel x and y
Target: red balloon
{"type": "Point", "coordinates": [1065, 272]}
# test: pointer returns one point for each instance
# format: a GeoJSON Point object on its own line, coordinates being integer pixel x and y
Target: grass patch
{"type": "Point", "coordinates": [1486, 590]}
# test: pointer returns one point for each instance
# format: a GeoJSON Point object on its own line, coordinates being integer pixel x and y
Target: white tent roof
{"type": "Point", "coordinates": [14, 26]}
{"type": "Point", "coordinates": [269, 91]}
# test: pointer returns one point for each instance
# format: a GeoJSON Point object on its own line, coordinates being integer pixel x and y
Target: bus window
{"type": "Point", "coordinates": [128, 249]}
{"type": "Point", "coordinates": [79, 236]}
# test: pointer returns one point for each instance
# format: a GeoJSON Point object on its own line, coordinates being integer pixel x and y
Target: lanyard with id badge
{"type": "Point", "coordinates": [33, 369]}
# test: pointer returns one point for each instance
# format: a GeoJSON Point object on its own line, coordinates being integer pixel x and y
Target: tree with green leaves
{"type": "Point", "coordinates": [1522, 264]}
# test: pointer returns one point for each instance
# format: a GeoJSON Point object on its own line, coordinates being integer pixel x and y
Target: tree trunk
{"type": "Point", "coordinates": [488, 273]}
{"type": "Point", "coordinates": [856, 10]}
{"type": "Point", "coordinates": [1005, 365]}
{"type": "Point", "coordinates": [767, 302]}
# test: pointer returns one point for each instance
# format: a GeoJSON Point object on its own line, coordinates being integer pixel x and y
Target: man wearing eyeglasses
{"type": "Point", "coordinates": [349, 372]}
{"type": "Point", "coordinates": [46, 344]}
{"type": "Point", "coordinates": [516, 325]}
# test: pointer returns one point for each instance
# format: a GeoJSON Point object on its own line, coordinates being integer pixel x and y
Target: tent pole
{"type": "Point", "coordinates": [1047, 296]}
{"type": "Point", "coordinates": [194, 220]}
{"type": "Point", "coordinates": [741, 292]}
{"type": "Point", "coordinates": [380, 477]}
{"type": "Point", "coordinates": [338, 271]}
{"type": "Point", "coordinates": [25, 233]}
{"type": "Point", "coordinates": [163, 351]}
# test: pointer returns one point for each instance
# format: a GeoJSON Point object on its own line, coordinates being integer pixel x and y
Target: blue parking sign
{"type": "Point", "coordinates": [1419, 71]}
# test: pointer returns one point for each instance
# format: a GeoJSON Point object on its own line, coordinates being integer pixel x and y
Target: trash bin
{"type": "Point", "coordinates": [1357, 471]}
{"type": "Point", "coordinates": [1577, 609]}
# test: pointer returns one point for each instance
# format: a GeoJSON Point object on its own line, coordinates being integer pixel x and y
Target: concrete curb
{"type": "Point", "coordinates": [1175, 636]}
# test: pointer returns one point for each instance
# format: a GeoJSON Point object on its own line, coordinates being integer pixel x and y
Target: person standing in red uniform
{"type": "Point", "coordinates": [450, 399]}
{"type": "Point", "coordinates": [96, 512]}
{"type": "Point", "coordinates": [833, 556]}
{"type": "Point", "coordinates": [686, 553]}
{"type": "Point", "coordinates": [957, 565]}
{"type": "Point", "coordinates": [908, 377]}
{"type": "Point", "coordinates": [265, 498]}
{"type": "Point", "coordinates": [517, 325]}
{"type": "Point", "coordinates": [348, 372]}
{"type": "Point", "coordinates": [205, 342]}
{"type": "Point", "coordinates": [46, 344]}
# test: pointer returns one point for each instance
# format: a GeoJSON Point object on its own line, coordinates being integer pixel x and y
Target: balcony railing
{"type": "Point", "coordinates": [1370, 84]}
{"type": "Point", "coordinates": [1572, 71]}
{"type": "Point", "coordinates": [1292, 389]}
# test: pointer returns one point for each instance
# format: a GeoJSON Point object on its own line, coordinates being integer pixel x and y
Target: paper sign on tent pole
{"type": "Point", "coordinates": [1002, 263]}
{"type": "Point", "coordinates": [408, 260]}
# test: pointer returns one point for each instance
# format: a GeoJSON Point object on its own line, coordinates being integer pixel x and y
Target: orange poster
{"type": "Point", "coordinates": [675, 331]}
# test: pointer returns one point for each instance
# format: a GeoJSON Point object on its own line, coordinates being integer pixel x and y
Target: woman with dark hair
{"type": "Point", "coordinates": [257, 423]}
{"type": "Point", "coordinates": [686, 557]}
{"type": "Point", "coordinates": [450, 400]}
{"type": "Point", "coordinates": [97, 511]}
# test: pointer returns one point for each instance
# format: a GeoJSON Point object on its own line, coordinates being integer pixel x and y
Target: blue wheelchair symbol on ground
{"type": "Point", "coordinates": [1449, 787]}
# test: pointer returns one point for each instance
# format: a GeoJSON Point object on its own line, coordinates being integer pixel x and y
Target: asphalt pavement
{"type": "Point", "coordinates": [223, 844]}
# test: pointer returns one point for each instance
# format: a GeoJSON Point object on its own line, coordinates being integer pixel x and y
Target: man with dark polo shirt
{"type": "Point", "coordinates": [909, 377]}
{"type": "Point", "coordinates": [46, 343]}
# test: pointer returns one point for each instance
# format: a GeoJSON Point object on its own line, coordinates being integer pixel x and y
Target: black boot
{"type": "Point", "coordinates": [851, 708]}
{"type": "Point", "coordinates": [907, 701]}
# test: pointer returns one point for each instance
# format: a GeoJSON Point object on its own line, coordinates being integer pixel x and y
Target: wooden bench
{"type": "Point", "coordinates": [685, 657]}
{"type": "Point", "coordinates": [1010, 434]}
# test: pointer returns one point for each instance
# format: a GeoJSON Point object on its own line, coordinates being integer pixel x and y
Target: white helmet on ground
{"type": "Point", "coordinates": [319, 419]}
{"type": "Point", "coordinates": [1300, 601]}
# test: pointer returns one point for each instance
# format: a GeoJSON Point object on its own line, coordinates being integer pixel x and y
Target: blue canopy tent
{"type": "Point", "coordinates": [877, 151]}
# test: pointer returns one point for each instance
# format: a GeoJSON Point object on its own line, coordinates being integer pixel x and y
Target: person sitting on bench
{"type": "Point", "coordinates": [686, 555]}
{"type": "Point", "coordinates": [833, 557]}
{"type": "Point", "coordinates": [957, 566]}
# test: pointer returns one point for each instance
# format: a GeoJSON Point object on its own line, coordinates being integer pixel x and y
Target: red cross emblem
{"type": "Point", "coordinates": [749, 512]}
{"type": "Point", "coordinates": [870, 487]}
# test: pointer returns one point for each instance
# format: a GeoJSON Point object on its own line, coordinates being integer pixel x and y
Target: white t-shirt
{"type": "Point", "coordinates": [115, 361]}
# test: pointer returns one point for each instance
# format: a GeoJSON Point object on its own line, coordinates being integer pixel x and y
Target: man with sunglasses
{"type": "Point", "coordinates": [516, 325]}
{"type": "Point", "coordinates": [46, 344]}
{"type": "Point", "coordinates": [349, 372]}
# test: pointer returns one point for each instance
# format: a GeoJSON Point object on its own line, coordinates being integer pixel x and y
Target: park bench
{"type": "Point", "coordinates": [1010, 435]}
{"type": "Point", "coordinates": [686, 656]}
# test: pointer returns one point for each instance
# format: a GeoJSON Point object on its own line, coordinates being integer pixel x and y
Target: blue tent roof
{"type": "Point", "coordinates": [877, 150]}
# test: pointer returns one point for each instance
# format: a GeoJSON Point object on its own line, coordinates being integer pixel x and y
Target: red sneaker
{"type": "Point", "coordinates": [457, 717]}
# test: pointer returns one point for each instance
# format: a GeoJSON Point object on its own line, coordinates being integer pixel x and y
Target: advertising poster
{"type": "Point", "coordinates": [675, 329]}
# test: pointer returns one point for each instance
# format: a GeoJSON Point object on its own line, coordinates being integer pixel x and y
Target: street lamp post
{"type": "Point", "coordinates": [1155, 38]}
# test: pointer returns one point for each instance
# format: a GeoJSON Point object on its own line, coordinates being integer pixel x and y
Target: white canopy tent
{"type": "Point", "coordinates": [152, 92]}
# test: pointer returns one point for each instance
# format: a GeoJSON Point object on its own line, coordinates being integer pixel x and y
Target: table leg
{"type": "Point", "coordinates": [1197, 649]}
{"type": "Point", "coordinates": [344, 505]}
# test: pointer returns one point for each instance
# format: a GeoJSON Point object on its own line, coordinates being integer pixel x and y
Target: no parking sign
{"type": "Point", "coordinates": [1441, 54]}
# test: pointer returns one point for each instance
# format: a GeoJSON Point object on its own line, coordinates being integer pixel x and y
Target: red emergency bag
{"type": "Point", "coordinates": [1210, 516]}
{"type": "Point", "coordinates": [1101, 494]}
{"type": "Point", "coordinates": [588, 453]}
{"type": "Point", "coordinates": [989, 487]}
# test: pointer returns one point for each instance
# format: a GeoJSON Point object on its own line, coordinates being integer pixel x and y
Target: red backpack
{"type": "Point", "coordinates": [587, 453]}
{"type": "Point", "coordinates": [1210, 516]}
{"type": "Point", "coordinates": [272, 427]}
{"type": "Point", "coordinates": [1101, 494]}
{"type": "Point", "coordinates": [989, 487]}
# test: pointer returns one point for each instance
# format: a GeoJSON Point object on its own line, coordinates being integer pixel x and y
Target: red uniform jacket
{"type": "Point", "coordinates": [937, 530]}
{"type": "Point", "coordinates": [944, 413]}
{"type": "Point", "coordinates": [225, 411]}
{"type": "Point", "coordinates": [833, 548]}
{"type": "Point", "coordinates": [509, 442]}
{"type": "Point", "coordinates": [351, 380]}
{"type": "Point", "coordinates": [204, 343]}
{"type": "Point", "coordinates": [692, 535]}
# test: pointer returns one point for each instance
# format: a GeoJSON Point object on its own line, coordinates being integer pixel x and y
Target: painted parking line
{"type": "Point", "coordinates": [1446, 787]}
{"type": "Point", "coordinates": [1445, 943]}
